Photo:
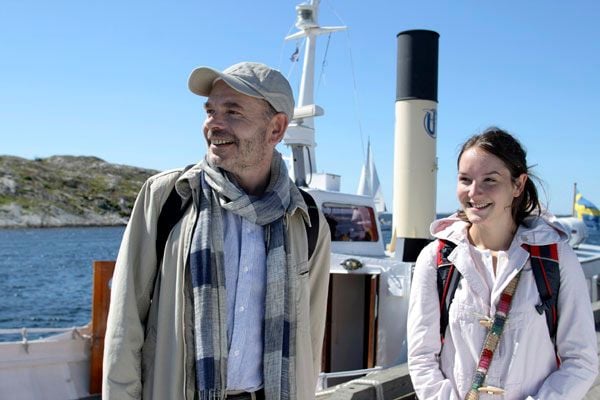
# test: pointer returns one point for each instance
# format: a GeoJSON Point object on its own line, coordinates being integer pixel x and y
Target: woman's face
{"type": "Point", "coordinates": [485, 188]}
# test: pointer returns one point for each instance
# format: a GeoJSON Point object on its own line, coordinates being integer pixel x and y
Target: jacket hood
{"type": "Point", "coordinates": [535, 230]}
{"type": "Point", "coordinates": [542, 229]}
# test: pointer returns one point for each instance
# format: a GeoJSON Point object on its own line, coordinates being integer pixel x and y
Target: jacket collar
{"type": "Point", "coordinates": [535, 230]}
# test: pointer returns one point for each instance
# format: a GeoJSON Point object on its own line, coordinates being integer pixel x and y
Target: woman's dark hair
{"type": "Point", "coordinates": [508, 149]}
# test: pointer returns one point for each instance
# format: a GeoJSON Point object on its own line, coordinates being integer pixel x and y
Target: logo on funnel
{"type": "Point", "coordinates": [430, 121]}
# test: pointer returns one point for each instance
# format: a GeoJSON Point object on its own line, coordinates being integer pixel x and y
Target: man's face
{"type": "Point", "coordinates": [237, 131]}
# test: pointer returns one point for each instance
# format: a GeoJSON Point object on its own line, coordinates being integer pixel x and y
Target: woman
{"type": "Point", "coordinates": [500, 212]}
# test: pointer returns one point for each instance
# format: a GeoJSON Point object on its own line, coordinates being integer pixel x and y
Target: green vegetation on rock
{"type": "Point", "coordinates": [67, 191]}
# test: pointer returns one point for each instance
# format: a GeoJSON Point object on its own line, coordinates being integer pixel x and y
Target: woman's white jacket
{"type": "Point", "coordinates": [524, 364]}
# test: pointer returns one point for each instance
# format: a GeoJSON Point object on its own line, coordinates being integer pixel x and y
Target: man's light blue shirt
{"type": "Point", "coordinates": [245, 282]}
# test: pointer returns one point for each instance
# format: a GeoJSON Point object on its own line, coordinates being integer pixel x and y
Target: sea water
{"type": "Point", "coordinates": [46, 274]}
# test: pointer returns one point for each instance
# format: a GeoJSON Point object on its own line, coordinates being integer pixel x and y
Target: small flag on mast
{"type": "Point", "coordinates": [294, 57]}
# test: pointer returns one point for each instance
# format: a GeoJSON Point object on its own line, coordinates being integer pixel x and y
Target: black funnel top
{"type": "Point", "coordinates": [417, 66]}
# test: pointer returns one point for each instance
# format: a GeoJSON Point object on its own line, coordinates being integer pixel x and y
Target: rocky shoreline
{"type": "Point", "coordinates": [13, 216]}
{"type": "Point", "coordinates": [61, 191]}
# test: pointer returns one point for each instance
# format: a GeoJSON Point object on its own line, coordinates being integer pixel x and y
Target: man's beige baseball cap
{"type": "Point", "coordinates": [249, 78]}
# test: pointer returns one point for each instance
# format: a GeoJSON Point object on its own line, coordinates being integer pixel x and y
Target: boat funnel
{"type": "Point", "coordinates": [415, 161]}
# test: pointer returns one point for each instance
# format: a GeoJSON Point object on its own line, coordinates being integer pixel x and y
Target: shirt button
{"type": "Point", "coordinates": [242, 308]}
{"type": "Point", "coordinates": [236, 353]}
{"type": "Point", "coordinates": [245, 269]}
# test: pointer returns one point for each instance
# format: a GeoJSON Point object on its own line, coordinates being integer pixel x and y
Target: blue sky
{"type": "Point", "coordinates": [109, 79]}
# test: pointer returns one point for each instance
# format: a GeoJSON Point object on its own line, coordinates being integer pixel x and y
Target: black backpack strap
{"type": "Point", "coordinates": [170, 213]}
{"type": "Point", "coordinates": [312, 231]}
{"type": "Point", "coordinates": [447, 282]}
{"type": "Point", "coordinates": [546, 271]}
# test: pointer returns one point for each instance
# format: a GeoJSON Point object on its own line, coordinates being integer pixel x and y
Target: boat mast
{"type": "Point", "coordinates": [301, 132]}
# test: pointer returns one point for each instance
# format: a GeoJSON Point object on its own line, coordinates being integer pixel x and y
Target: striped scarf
{"type": "Point", "coordinates": [208, 281]}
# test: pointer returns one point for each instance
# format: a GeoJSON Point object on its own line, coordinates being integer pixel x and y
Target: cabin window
{"type": "Point", "coordinates": [350, 223]}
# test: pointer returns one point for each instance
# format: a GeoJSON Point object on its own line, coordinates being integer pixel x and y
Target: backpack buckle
{"type": "Point", "coordinates": [543, 306]}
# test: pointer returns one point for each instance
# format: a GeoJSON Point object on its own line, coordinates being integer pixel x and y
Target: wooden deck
{"type": "Point", "coordinates": [394, 383]}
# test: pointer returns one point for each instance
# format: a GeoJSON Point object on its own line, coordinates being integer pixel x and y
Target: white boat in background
{"type": "Point", "coordinates": [369, 286]}
{"type": "Point", "coordinates": [588, 254]}
{"type": "Point", "coordinates": [368, 184]}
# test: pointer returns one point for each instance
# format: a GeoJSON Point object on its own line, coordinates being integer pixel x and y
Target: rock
{"type": "Point", "coordinates": [7, 185]}
{"type": "Point", "coordinates": [67, 191]}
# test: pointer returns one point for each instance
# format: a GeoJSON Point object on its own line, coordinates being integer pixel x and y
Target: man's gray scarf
{"type": "Point", "coordinates": [208, 281]}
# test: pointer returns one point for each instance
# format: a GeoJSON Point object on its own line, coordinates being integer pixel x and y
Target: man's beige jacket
{"type": "Point", "coordinates": [149, 350]}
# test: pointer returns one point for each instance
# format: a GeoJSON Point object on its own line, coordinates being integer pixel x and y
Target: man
{"type": "Point", "coordinates": [236, 310]}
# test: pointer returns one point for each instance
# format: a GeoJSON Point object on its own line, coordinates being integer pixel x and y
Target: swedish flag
{"type": "Point", "coordinates": [587, 212]}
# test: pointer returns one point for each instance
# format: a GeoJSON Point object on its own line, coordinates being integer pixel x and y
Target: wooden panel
{"type": "Point", "coordinates": [103, 271]}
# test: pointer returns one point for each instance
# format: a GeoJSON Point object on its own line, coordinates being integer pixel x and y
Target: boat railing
{"type": "Point", "coordinates": [587, 252]}
{"type": "Point", "coordinates": [324, 377]}
{"type": "Point", "coordinates": [387, 383]}
{"type": "Point", "coordinates": [39, 334]}
{"type": "Point", "coordinates": [25, 332]}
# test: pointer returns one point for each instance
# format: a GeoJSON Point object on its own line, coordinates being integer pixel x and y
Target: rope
{"type": "Point", "coordinates": [354, 86]}
{"type": "Point", "coordinates": [34, 330]}
{"type": "Point", "coordinates": [24, 332]}
{"type": "Point", "coordinates": [323, 64]}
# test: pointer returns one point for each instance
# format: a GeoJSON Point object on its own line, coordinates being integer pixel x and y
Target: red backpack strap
{"type": "Point", "coordinates": [447, 282]}
{"type": "Point", "coordinates": [546, 271]}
